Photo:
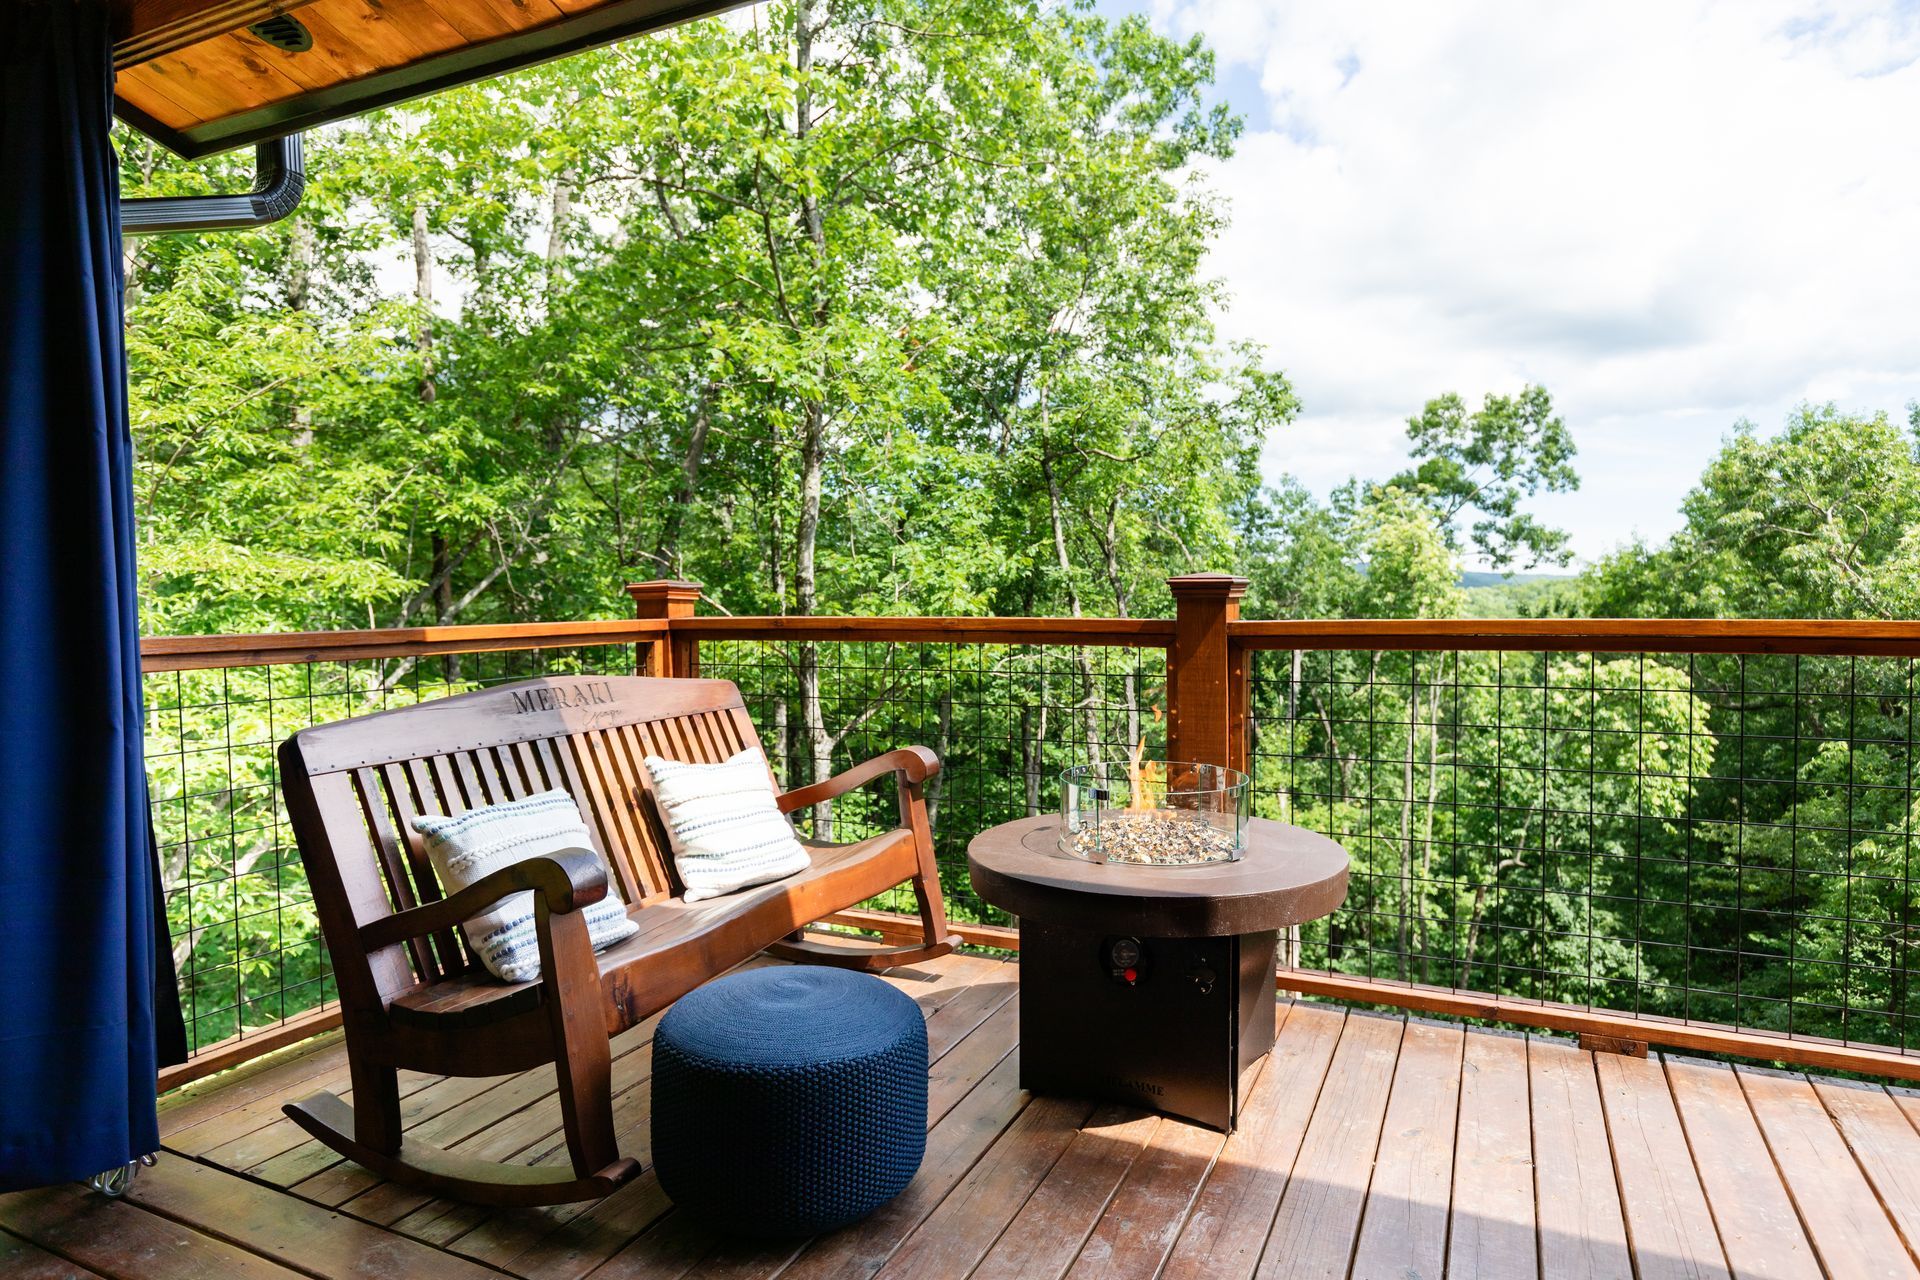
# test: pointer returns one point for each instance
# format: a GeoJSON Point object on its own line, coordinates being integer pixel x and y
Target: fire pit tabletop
{"type": "Point", "coordinates": [1288, 875]}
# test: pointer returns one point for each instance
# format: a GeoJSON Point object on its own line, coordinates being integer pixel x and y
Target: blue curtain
{"type": "Point", "coordinates": [78, 933]}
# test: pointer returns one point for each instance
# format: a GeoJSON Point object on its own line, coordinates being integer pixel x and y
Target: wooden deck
{"type": "Point", "coordinates": [1376, 1146]}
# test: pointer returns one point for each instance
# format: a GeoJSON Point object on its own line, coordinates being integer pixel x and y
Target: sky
{"type": "Point", "coordinates": [1673, 215]}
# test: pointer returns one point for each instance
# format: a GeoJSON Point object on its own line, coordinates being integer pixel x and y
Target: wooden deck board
{"type": "Point", "coordinates": [1582, 1235]}
{"type": "Point", "coordinates": [1847, 1223]}
{"type": "Point", "coordinates": [1885, 1144]}
{"type": "Point", "coordinates": [22, 1261]}
{"type": "Point", "coordinates": [117, 1239]}
{"type": "Point", "coordinates": [300, 1235]}
{"type": "Point", "coordinates": [1233, 1214]}
{"type": "Point", "coordinates": [1758, 1226]}
{"type": "Point", "coordinates": [1371, 1146]}
{"type": "Point", "coordinates": [954, 1147]}
{"type": "Point", "coordinates": [1493, 1231]}
{"type": "Point", "coordinates": [1319, 1220]}
{"type": "Point", "coordinates": [1045, 1236]}
{"type": "Point", "coordinates": [190, 1104]}
{"type": "Point", "coordinates": [1144, 1217]}
{"type": "Point", "coordinates": [311, 1158]}
{"type": "Point", "coordinates": [566, 1242]}
{"type": "Point", "coordinates": [1405, 1232]}
{"type": "Point", "coordinates": [1669, 1223]}
{"type": "Point", "coordinates": [958, 1234]}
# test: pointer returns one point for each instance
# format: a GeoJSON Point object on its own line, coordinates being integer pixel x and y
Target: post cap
{"type": "Point", "coordinates": [665, 595]}
{"type": "Point", "coordinates": [664, 587]}
{"type": "Point", "coordinates": [1208, 584]}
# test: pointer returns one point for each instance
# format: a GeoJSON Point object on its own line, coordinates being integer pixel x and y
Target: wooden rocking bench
{"type": "Point", "coordinates": [411, 994]}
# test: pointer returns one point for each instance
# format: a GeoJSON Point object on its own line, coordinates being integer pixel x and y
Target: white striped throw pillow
{"type": "Point", "coordinates": [467, 848]}
{"type": "Point", "coordinates": [726, 830]}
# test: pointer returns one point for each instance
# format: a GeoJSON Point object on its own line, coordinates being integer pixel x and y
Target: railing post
{"type": "Point", "coordinates": [1206, 675]}
{"type": "Point", "coordinates": [668, 599]}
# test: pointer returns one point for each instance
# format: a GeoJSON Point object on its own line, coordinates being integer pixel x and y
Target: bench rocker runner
{"type": "Point", "coordinates": [413, 997]}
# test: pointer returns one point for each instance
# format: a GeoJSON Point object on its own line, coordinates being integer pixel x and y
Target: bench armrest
{"type": "Point", "coordinates": [914, 765]}
{"type": "Point", "coordinates": [568, 880]}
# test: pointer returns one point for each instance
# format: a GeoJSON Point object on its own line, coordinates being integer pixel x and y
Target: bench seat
{"type": "Point", "coordinates": [696, 939]}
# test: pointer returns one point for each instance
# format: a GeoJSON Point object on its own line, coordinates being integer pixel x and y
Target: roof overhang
{"type": "Point", "coordinates": [190, 74]}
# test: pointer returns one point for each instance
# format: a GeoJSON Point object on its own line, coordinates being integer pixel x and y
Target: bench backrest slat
{"type": "Point", "coordinates": [371, 776]}
{"type": "Point", "coordinates": [396, 858]}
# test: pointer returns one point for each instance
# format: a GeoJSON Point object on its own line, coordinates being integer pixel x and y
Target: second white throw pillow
{"type": "Point", "coordinates": [726, 829]}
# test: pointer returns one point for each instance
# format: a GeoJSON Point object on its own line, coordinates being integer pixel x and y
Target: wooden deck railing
{"type": "Point", "coordinates": [1764, 692]}
{"type": "Point", "coordinates": [1687, 833]}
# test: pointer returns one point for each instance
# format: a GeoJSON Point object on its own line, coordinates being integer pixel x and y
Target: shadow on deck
{"type": "Point", "coordinates": [1374, 1146]}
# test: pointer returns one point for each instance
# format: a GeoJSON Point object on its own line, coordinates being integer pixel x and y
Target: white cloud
{"type": "Point", "coordinates": [1672, 214]}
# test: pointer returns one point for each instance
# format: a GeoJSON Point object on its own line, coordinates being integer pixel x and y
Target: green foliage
{"type": "Point", "coordinates": [842, 309]}
{"type": "Point", "coordinates": [1523, 597]}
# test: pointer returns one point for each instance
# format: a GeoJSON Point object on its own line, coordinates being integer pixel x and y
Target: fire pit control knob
{"type": "Point", "coordinates": [1124, 959]}
{"type": "Point", "coordinates": [1202, 978]}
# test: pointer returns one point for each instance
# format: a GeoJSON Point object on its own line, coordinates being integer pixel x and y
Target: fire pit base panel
{"type": "Point", "coordinates": [1170, 1024]}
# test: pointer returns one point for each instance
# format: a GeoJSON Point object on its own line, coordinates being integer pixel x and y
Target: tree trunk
{"type": "Point", "coordinates": [782, 745]}
{"type": "Point", "coordinates": [1110, 555]}
{"type": "Point", "coordinates": [776, 527]}
{"type": "Point", "coordinates": [806, 599]}
{"type": "Point", "coordinates": [442, 570]}
{"type": "Point", "coordinates": [442, 582]}
{"type": "Point", "coordinates": [666, 554]}
{"type": "Point", "coordinates": [1089, 701]}
{"type": "Point", "coordinates": [557, 236]}
{"type": "Point", "coordinates": [1405, 932]}
{"type": "Point", "coordinates": [777, 583]}
{"type": "Point", "coordinates": [299, 292]}
{"type": "Point", "coordinates": [813, 450]}
{"type": "Point", "coordinates": [443, 597]}
{"type": "Point", "coordinates": [1433, 796]}
{"type": "Point", "coordinates": [1467, 959]}
{"type": "Point", "coordinates": [1033, 748]}
{"type": "Point", "coordinates": [1333, 748]}
{"type": "Point", "coordinates": [423, 298]}
{"type": "Point", "coordinates": [942, 743]}
{"type": "Point", "coordinates": [555, 260]}
{"type": "Point", "coordinates": [804, 29]}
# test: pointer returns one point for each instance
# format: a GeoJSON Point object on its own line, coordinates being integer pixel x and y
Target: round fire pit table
{"type": "Point", "coordinates": [1151, 985]}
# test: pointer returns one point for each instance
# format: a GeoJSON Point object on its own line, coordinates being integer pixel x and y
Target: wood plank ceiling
{"type": "Point", "coordinates": [191, 74]}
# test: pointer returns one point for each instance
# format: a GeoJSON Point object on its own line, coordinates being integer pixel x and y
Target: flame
{"type": "Point", "coordinates": [1143, 777]}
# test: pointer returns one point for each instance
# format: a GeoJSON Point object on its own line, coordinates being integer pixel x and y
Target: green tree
{"type": "Point", "coordinates": [1820, 521]}
{"type": "Point", "coordinates": [1485, 464]}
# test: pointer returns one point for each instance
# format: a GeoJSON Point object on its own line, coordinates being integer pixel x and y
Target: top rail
{"type": "Point", "coordinates": [200, 653]}
{"type": "Point", "coordinates": [1111, 632]}
{"type": "Point", "coordinates": [1811, 636]}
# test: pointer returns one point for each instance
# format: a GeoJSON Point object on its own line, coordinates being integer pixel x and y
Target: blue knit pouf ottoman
{"type": "Point", "coordinates": [789, 1101]}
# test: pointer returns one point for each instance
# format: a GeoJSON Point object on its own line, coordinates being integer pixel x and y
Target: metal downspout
{"type": "Point", "coordinates": [280, 177]}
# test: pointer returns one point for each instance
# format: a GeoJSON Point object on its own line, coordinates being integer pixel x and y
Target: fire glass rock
{"type": "Point", "coordinates": [1155, 838]}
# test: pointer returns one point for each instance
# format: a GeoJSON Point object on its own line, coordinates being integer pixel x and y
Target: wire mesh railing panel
{"type": "Point", "coordinates": [1719, 838]}
{"type": "Point", "coordinates": [246, 943]}
{"type": "Point", "coordinates": [1004, 719]}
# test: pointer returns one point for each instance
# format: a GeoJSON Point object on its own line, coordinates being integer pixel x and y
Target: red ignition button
{"type": "Point", "coordinates": [1131, 975]}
